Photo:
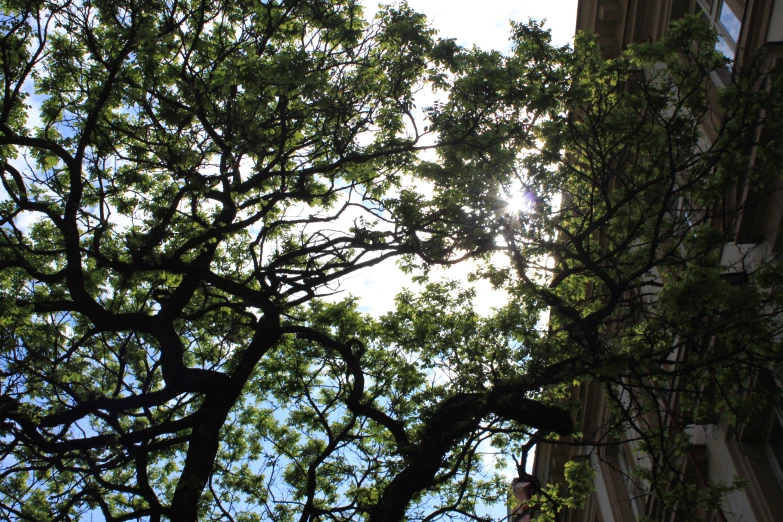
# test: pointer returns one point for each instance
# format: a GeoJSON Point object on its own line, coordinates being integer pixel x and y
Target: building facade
{"type": "Point", "coordinates": [719, 451]}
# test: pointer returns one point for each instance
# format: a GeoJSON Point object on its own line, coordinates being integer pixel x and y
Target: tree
{"type": "Point", "coordinates": [660, 172]}
{"type": "Point", "coordinates": [173, 212]}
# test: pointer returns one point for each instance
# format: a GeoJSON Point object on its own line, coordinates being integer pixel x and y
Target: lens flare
{"type": "Point", "coordinates": [520, 203]}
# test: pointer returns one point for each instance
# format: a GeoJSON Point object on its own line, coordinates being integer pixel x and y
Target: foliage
{"type": "Point", "coordinates": [185, 180]}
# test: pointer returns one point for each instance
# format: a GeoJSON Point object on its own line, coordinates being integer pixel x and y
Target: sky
{"type": "Point", "coordinates": [484, 23]}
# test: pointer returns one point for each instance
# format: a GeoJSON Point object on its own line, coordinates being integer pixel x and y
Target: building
{"type": "Point", "coordinates": [719, 451]}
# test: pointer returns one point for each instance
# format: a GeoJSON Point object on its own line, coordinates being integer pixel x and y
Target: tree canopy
{"type": "Point", "coordinates": [176, 179]}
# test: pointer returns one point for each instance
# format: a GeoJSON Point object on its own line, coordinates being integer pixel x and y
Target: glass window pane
{"type": "Point", "coordinates": [730, 22]}
{"type": "Point", "coordinates": [775, 32]}
{"type": "Point", "coordinates": [724, 48]}
{"type": "Point", "coordinates": [775, 440]}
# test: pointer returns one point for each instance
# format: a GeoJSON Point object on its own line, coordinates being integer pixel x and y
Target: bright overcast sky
{"type": "Point", "coordinates": [484, 23]}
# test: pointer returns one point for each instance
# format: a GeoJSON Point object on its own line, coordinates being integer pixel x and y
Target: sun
{"type": "Point", "coordinates": [519, 202]}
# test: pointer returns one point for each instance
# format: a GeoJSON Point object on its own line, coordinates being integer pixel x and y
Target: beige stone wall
{"type": "Point", "coordinates": [719, 451]}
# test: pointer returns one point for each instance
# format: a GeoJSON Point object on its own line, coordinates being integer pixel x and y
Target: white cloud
{"type": "Point", "coordinates": [376, 287]}
{"type": "Point", "coordinates": [487, 24]}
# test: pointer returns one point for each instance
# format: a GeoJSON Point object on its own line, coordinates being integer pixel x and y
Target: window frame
{"type": "Point", "coordinates": [712, 10]}
{"type": "Point", "coordinates": [776, 415]}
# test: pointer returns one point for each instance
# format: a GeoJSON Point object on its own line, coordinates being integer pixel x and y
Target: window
{"type": "Point", "coordinates": [775, 30]}
{"type": "Point", "coordinates": [635, 494]}
{"type": "Point", "coordinates": [775, 440]}
{"type": "Point", "coordinates": [726, 17]}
